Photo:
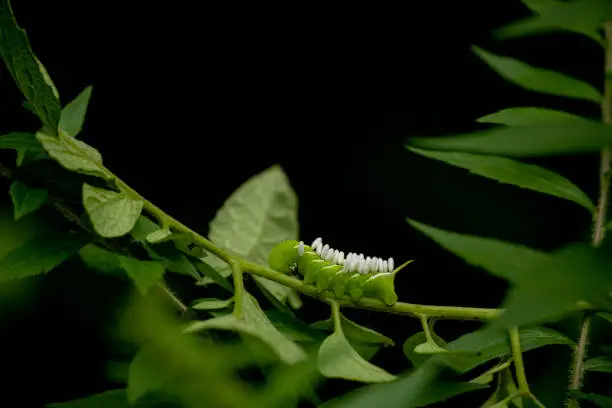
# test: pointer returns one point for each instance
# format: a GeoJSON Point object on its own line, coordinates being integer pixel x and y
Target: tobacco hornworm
{"type": "Point", "coordinates": [329, 270]}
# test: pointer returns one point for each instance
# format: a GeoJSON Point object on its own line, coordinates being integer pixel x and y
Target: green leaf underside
{"type": "Point", "coordinates": [513, 172]}
{"type": "Point", "coordinates": [545, 286]}
{"type": "Point", "coordinates": [525, 141]}
{"type": "Point", "coordinates": [112, 214]}
{"type": "Point", "coordinates": [584, 17]}
{"type": "Point", "coordinates": [537, 79]}
{"type": "Point", "coordinates": [419, 338]}
{"type": "Point", "coordinates": [602, 364]}
{"type": "Point", "coordinates": [212, 304]}
{"type": "Point", "coordinates": [529, 116]}
{"type": "Point", "coordinates": [144, 274]}
{"type": "Point", "coordinates": [27, 71]}
{"type": "Point", "coordinates": [338, 359]}
{"type": "Point", "coordinates": [354, 332]}
{"type": "Point", "coordinates": [257, 216]}
{"type": "Point", "coordinates": [73, 114]}
{"type": "Point", "coordinates": [74, 155]}
{"type": "Point", "coordinates": [254, 322]}
{"type": "Point", "coordinates": [40, 254]}
{"type": "Point", "coordinates": [26, 199]}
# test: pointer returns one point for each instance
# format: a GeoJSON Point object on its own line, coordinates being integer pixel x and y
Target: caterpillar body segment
{"type": "Point", "coordinates": [330, 270]}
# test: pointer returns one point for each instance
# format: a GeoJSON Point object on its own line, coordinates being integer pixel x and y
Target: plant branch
{"type": "Point", "coordinates": [599, 224]}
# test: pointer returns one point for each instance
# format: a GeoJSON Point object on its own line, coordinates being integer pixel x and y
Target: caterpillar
{"type": "Point", "coordinates": [329, 270]}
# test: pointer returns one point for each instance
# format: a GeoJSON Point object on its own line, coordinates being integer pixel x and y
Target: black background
{"type": "Point", "coordinates": [191, 99]}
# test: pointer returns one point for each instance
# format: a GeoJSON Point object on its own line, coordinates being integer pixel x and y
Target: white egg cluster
{"type": "Point", "coordinates": [352, 262]}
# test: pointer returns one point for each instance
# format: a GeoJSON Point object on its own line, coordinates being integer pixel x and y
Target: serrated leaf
{"type": "Point", "coordinates": [74, 155]}
{"type": "Point", "coordinates": [212, 304]}
{"type": "Point", "coordinates": [28, 72]}
{"type": "Point", "coordinates": [538, 79]}
{"type": "Point", "coordinates": [353, 331]}
{"type": "Point", "coordinates": [26, 199]}
{"type": "Point", "coordinates": [583, 17]}
{"type": "Point", "coordinates": [413, 341]}
{"type": "Point", "coordinates": [73, 114]}
{"type": "Point", "coordinates": [338, 359]}
{"type": "Point", "coordinates": [487, 345]}
{"type": "Point", "coordinates": [254, 322]}
{"type": "Point", "coordinates": [601, 364]}
{"type": "Point", "coordinates": [257, 216]}
{"type": "Point", "coordinates": [525, 141]}
{"type": "Point", "coordinates": [513, 172]}
{"type": "Point", "coordinates": [144, 274]}
{"type": "Point", "coordinates": [40, 254]}
{"type": "Point", "coordinates": [529, 116]}
{"type": "Point", "coordinates": [545, 285]}
{"type": "Point", "coordinates": [112, 214]}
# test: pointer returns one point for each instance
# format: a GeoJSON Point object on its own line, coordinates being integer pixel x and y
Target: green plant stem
{"type": "Point", "coordinates": [336, 315]}
{"type": "Point", "coordinates": [599, 224]}
{"type": "Point", "coordinates": [238, 287]}
{"type": "Point", "coordinates": [517, 356]}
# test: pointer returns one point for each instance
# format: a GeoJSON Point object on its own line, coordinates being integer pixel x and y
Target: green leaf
{"type": "Point", "coordinates": [112, 214]}
{"type": "Point", "coordinates": [26, 199]}
{"type": "Point", "coordinates": [442, 390]}
{"type": "Point", "coordinates": [525, 141]}
{"type": "Point", "coordinates": [19, 140]}
{"type": "Point", "coordinates": [294, 328]}
{"type": "Point", "coordinates": [354, 332]}
{"type": "Point", "coordinates": [257, 216]}
{"type": "Point", "coordinates": [604, 315]}
{"type": "Point", "coordinates": [601, 364]}
{"type": "Point", "coordinates": [413, 341]}
{"type": "Point", "coordinates": [213, 275]}
{"type": "Point", "coordinates": [158, 236]}
{"type": "Point", "coordinates": [486, 345]}
{"type": "Point", "coordinates": [108, 399]}
{"type": "Point", "coordinates": [410, 391]}
{"type": "Point", "coordinates": [40, 254]}
{"type": "Point", "coordinates": [74, 155]}
{"type": "Point", "coordinates": [538, 79]}
{"type": "Point", "coordinates": [337, 359]}
{"type": "Point", "coordinates": [101, 260]}
{"type": "Point", "coordinates": [530, 116]}
{"type": "Point", "coordinates": [254, 322]}
{"type": "Point", "coordinates": [545, 286]}
{"type": "Point", "coordinates": [144, 274]}
{"type": "Point", "coordinates": [146, 374]}
{"type": "Point", "coordinates": [28, 72]}
{"type": "Point", "coordinates": [583, 17]}
{"type": "Point", "coordinates": [212, 304]}
{"type": "Point", "coordinates": [513, 172]}
{"type": "Point", "coordinates": [599, 400]}
{"type": "Point", "coordinates": [73, 114]}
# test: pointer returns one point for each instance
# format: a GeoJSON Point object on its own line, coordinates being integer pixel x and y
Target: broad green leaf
{"type": "Point", "coordinates": [599, 400]}
{"type": "Point", "coordinates": [583, 16]}
{"type": "Point", "coordinates": [490, 344]}
{"type": "Point", "coordinates": [294, 328]}
{"type": "Point", "coordinates": [19, 140]}
{"type": "Point", "coordinates": [74, 155]}
{"type": "Point", "coordinates": [538, 79]}
{"type": "Point", "coordinates": [545, 286]}
{"type": "Point", "coordinates": [40, 254]}
{"type": "Point", "coordinates": [112, 214]}
{"type": "Point", "coordinates": [525, 141]}
{"type": "Point", "coordinates": [101, 260]}
{"type": "Point", "coordinates": [212, 304]}
{"type": "Point", "coordinates": [601, 364]}
{"type": "Point", "coordinates": [410, 391]}
{"type": "Point", "coordinates": [354, 332]}
{"type": "Point", "coordinates": [73, 114]}
{"type": "Point", "coordinates": [338, 359]}
{"type": "Point", "coordinates": [27, 71]}
{"type": "Point", "coordinates": [413, 341]}
{"type": "Point", "coordinates": [257, 216]}
{"type": "Point", "coordinates": [529, 116]}
{"type": "Point", "coordinates": [26, 199]}
{"type": "Point", "coordinates": [513, 172]}
{"type": "Point", "coordinates": [146, 374]}
{"type": "Point", "coordinates": [144, 274]}
{"type": "Point", "coordinates": [254, 322]}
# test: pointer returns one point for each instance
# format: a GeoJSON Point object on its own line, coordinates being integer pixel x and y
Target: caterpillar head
{"type": "Point", "coordinates": [284, 256]}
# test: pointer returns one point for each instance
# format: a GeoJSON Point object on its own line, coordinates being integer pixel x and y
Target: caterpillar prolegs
{"type": "Point", "coordinates": [329, 270]}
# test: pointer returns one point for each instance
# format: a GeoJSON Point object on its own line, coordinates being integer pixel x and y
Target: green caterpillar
{"type": "Point", "coordinates": [329, 270]}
